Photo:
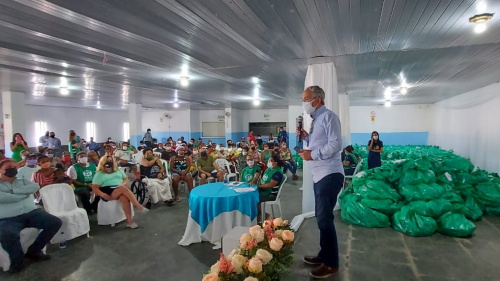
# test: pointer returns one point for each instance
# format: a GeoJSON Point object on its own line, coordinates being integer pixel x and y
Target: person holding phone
{"type": "Point", "coordinates": [17, 145]}
{"type": "Point", "coordinates": [324, 142]}
{"type": "Point", "coordinates": [375, 148]}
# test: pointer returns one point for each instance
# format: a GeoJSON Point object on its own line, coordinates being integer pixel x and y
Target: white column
{"type": "Point", "coordinates": [345, 118]}
{"type": "Point", "coordinates": [135, 123]}
{"type": "Point", "coordinates": [13, 104]}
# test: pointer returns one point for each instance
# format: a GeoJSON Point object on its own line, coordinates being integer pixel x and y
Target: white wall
{"type": "Point", "coordinates": [157, 122]}
{"type": "Point", "coordinates": [468, 124]}
{"type": "Point", "coordinates": [397, 118]}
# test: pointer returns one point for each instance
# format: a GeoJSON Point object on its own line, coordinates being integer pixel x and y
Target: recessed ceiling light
{"type": "Point", "coordinates": [64, 91]}
{"type": "Point", "coordinates": [176, 105]}
{"type": "Point", "coordinates": [404, 90]}
{"type": "Point", "coordinates": [256, 102]}
{"type": "Point", "coordinates": [255, 80]}
{"type": "Point", "coordinates": [387, 103]}
{"type": "Point", "coordinates": [184, 81]}
{"type": "Point", "coordinates": [480, 28]}
{"type": "Point", "coordinates": [64, 64]}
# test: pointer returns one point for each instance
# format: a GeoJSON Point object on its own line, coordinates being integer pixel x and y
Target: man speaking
{"type": "Point", "coordinates": [324, 142]}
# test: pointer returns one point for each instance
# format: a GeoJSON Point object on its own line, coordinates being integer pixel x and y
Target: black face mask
{"type": "Point", "coordinates": [10, 172]}
{"type": "Point", "coordinates": [52, 136]}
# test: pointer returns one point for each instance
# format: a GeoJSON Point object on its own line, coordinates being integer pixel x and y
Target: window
{"type": "Point", "coordinates": [90, 131]}
{"type": "Point", "coordinates": [126, 131]}
{"type": "Point", "coordinates": [213, 129]}
{"type": "Point", "coordinates": [40, 129]}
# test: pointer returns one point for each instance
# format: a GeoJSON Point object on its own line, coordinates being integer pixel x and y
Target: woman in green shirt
{"type": "Point", "coordinates": [17, 145]}
{"type": "Point", "coordinates": [265, 154]}
{"type": "Point", "coordinates": [270, 182]}
{"type": "Point", "coordinates": [251, 173]}
{"type": "Point", "coordinates": [111, 184]}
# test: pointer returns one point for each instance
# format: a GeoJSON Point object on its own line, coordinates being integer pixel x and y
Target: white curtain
{"type": "Point", "coordinates": [325, 76]}
{"type": "Point", "coordinates": [468, 124]}
{"type": "Point", "coordinates": [345, 118]}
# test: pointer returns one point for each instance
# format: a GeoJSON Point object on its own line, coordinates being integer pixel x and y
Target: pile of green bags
{"type": "Point", "coordinates": [420, 190]}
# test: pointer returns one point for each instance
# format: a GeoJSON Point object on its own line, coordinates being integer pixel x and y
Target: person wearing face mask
{"type": "Point", "coordinates": [74, 145]}
{"type": "Point", "coordinates": [111, 184]}
{"type": "Point", "coordinates": [93, 157]}
{"type": "Point", "coordinates": [123, 155]}
{"type": "Point", "coordinates": [160, 148]}
{"type": "Point", "coordinates": [66, 159]}
{"type": "Point", "coordinates": [150, 167]}
{"type": "Point", "coordinates": [168, 153]}
{"type": "Point", "coordinates": [270, 182]}
{"type": "Point", "coordinates": [18, 211]}
{"type": "Point", "coordinates": [207, 167]}
{"type": "Point", "coordinates": [286, 157]}
{"type": "Point", "coordinates": [180, 167]}
{"type": "Point", "coordinates": [222, 153]}
{"type": "Point", "coordinates": [254, 152]}
{"type": "Point", "coordinates": [148, 138]}
{"type": "Point", "coordinates": [271, 142]}
{"type": "Point", "coordinates": [240, 159]}
{"type": "Point", "coordinates": [324, 147]}
{"type": "Point", "coordinates": [54, 144]}
{"type": "Point", "coordinates": [375, 148]}
{"type": "Point", "coordinates": [26, 172]}
{"type": "Point", "coordinates": [45, 175]}
{"type": "Point", "coordinates": [265, 154]}
{"type": "Point", "coordinates": [251, 173]}
{"type": "Point", "coordinates": [81, 175]}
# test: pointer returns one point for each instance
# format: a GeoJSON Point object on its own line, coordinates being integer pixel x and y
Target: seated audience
{"type": "Point", "coordinates": [45, 175]}
{"type": "Point", "coordinates": [265, 154]}
{"type": "Point", "coordinates": [18, 211]}
{"type": "Point", "coordinates": [240, 159]}
{"type": "Point", "coordinates": [154, 144]}
{"type": "Point", "coordinates": [350, 161]}
{"type": "Point", "coordinates": [26, 172]}
{"type": "Point", "coordinates": [123, 155]}
{"type": "Point", "coordinates": [66, 159]}
{"type": "Point", "coordinates": [271, 142]}
{"type": "Point", "coordinates": [61, 177]}
{"type": "Point", "coordinates": [81, 175]}
{"type": "Point", "coordinates": [150, 167]}
{"type": "Point", "coordinates": [286, 157]}
{"type": "Point", "coordinates": [142, 145]}
{"type": "Point", "coordinates": [270, 182]}
{"type": "Point", "coordinates": [180, 167]}
{"type": "Point", "coordinates": [159, 189]}
{"type": "Point", "coordinates": [111, 184]}
{"type": "Point", "coordinates": [254, 152]}
{"type": "Point", "coordinates": [160, 148]}
{"type": "Point", "coordinates": [93, 157]}
{"type": "Point", "coordinates": [251, 173]}
{"type": "Point", "coordinates": [260, 142]}
{"type": "Point", "coordinates": [222, 153]}
{"type": "Point", "coordinates": [208, 168]}
{"type": "Point", "coordinates": [54, 160]}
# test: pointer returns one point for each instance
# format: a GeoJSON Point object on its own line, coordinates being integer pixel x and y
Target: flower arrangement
{"type": "Point", "coordinates": [264, 254]}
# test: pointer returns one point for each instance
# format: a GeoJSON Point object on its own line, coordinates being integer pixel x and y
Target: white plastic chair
{"type": "Point", "coordinates": [111, 212]}
{"type": "Point", "coordinates": [157, 154]}
{"type": "Point", "coordinates": [28, 236]}
{"type": "Point", "coordinates": [136, 158]}
{"type": "Point", "coordinates": [59, 200]}
{"type": "Point", "coordinates": [349, 178]}
{"type": "Point", "coordinates": [223, 163]}
{"type": "Point", "coordinates": [276, 201]}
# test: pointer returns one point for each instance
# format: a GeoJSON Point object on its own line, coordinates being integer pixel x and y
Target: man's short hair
{"type": "Point", "coordinates": [317, 92]}
{"type": "Point", "coordinates": [5, 161]}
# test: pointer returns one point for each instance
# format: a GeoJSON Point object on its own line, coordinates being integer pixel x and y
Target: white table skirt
{"type": "Point", "coordinates": [216, 229]}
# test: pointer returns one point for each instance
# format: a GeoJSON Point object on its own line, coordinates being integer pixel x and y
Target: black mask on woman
{"type": "Point", "coordinates": [10, 172]}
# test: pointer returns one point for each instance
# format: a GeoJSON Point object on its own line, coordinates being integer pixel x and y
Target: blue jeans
{"type": "Point", "coordinates": [10, 230]}
{"type": "Point", "coordinates": [292, 166]}
{"type": "Point", "coordinates": [325, 192]}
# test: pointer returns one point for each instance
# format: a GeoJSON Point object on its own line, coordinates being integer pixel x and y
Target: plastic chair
{"type": "Point", "coordinates": [223, 163]}
{"type": "Point", "coordinates": [59, 200]}
{"type": "Point", "coordinates": [349, 178]}
{"type": "Point", "coordinates": [111, 212]}
{"type": "Point", "coordinates": [276, 201]}
{"type": "Point", "coordinates": [157, 154]}
{"type": "Point", "coordinates": [27, 237]}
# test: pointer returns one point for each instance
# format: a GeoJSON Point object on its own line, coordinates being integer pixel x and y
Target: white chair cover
{"type": "Point", "coordinates": [28, 236]}
{"type": "Point", "coordinates": [111, 212]}
{"type": "Point", "coordinates": [59, 200]}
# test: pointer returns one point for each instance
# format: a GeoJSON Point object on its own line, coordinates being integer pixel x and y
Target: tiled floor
{"type": "Point", "coordinates": [151, 252]}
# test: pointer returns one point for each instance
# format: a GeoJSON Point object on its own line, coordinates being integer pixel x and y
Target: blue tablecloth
{"type": "Point", "coordinates": [209, 200]}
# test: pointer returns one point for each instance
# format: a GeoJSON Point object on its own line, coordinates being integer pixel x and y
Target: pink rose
{"type": "Point", "coordinates": [255, 265]}
{"type": "Point", "coordinates": [275, 244]}
{"type": "Point", "coordinates": [264, 256]}
{"type": "Point", "coordinates": [287, 235]}
{"type": "Point", "coordinates": [211, 277]}
{"type": "Point", "coordinates": [278, 222]}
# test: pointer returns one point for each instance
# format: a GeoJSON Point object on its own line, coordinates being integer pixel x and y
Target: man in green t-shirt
{"type": "Point", "coordinates": [207, 167]}
{"type": "Point", "coordinates": [251, 173]}
{"type": "Point", "coordinates": [82, 173]}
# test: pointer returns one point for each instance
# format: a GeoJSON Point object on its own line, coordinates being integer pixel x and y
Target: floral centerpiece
{"type": "Point", "coordinates": [264, 254]}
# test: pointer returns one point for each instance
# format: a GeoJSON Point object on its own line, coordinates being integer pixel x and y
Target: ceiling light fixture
{"type": "Point", "coordinates": [404, 90]}
{"type": "Point", "coordinates": [480, 21]}
{"type": "Point", "coordinates": [256, 102]}
{"type": "Point", "coordinates": [184, 81]}
{"type": "Point", "coordinates": [176, 105]}
{"type": "Point", "coordinates": [255, 80]}
{"type": "Point", "coordinates": [64, 64]}
{"type": "Point", "coordinates": [387, 103]}
{"type": "Point", "coordinates": [64, 91]}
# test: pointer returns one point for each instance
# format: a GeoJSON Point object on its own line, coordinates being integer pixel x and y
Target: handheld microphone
{"type": "Point", "coordinates": [300, 119]}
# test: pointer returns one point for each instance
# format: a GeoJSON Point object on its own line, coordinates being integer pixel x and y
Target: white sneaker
{"type": "Point", "coordinates": [132, 225]}
{"type": "Point", "coordinates": [143, 211]}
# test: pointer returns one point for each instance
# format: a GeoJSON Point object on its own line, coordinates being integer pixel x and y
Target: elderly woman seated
{"type": "Point", "coordinates": [270, 182]}
{"type": "Point", "coordinates": [111, 184]}
{"type": "Point", "coordinates": [180, 166]}
{"type": "Point", "coordinates": [153, 171]}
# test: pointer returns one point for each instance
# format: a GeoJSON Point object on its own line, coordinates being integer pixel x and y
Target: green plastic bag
{"type": "Point", "coordinates": [455, 225]}
{"type": "Point", "coordinates": [385, 206]}
{"type": "Point", "coordinates": [471, 210]}
{"type": "Point", "coordinates": [422, 192]}
{"type": "Point", "coordinates": [458, 164]}
{"type": "Point", "coordinates": [376, 189]}
{"type": "Point", "coordinates": [432, 208]}
{"type": "Point", "coordinates": [487, 194]}
{"type": "Point", "coordinates": [354, 212]}
{"type": "Point", "coordinates": [410, 223]}
{"type": "Point", "coordinates": [414, 177]}
{"type": "Point", "coordinates": [493, 211]}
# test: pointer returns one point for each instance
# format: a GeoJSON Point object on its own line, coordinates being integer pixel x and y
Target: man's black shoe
{"type": "Point", "coordinates": [37, 257]}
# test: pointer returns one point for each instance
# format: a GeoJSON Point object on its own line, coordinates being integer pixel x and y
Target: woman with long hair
{"type": "Point", "coordinates": [17, 145]}
{"type": "Point", "coordinates": [270, 182]}
{"type": "Point", "coordinates": [375, 148]}
{"type": "Point", "coordinates": [110, 183]}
